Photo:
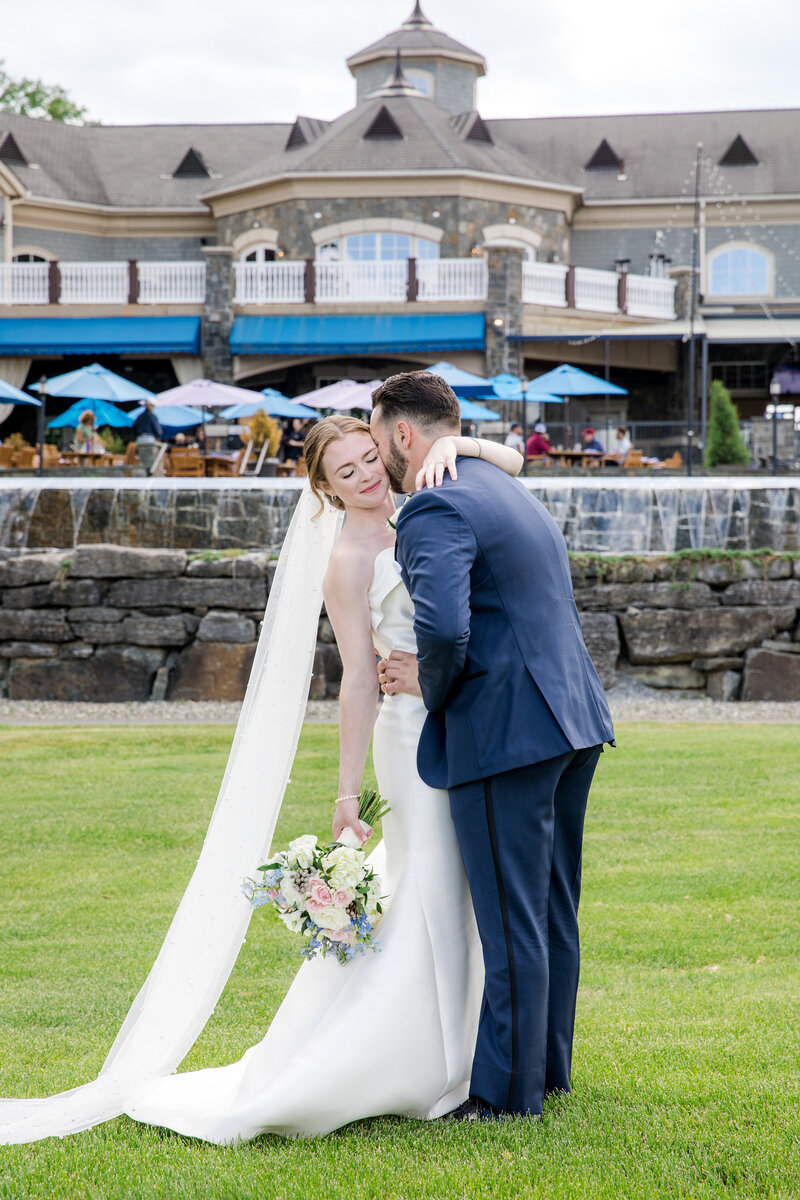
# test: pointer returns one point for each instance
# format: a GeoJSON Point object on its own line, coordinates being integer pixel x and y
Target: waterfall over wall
{"type": "Point", "coordinates": [614, 516]}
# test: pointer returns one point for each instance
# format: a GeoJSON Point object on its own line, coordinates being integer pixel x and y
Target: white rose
{"type": "Point", "coordinates": [301, 851]}
{"type": "Point", "coordinates": [345, 867]}
{"type": "Point", "coordinates": [332, 917]}
{"type": "Point", "coordinates": [293, 921]}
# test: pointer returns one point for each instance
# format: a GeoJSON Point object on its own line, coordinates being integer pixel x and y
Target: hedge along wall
{"type": "Point", "coordinates": [113, 623]}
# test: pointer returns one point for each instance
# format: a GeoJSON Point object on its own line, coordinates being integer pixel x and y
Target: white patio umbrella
{"type": "Point", "coordinates": [339, 395]}
{"type": "Point", "coordinates": [205, 393]}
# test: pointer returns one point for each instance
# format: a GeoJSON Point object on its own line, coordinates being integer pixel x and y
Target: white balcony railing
{"type": "Point", "coordinates": [648, 296]}
{"type": "Point", "coordinates": [24, 283]}
{"type": "Point", "coordinates": [269, 283]}
{"type": "Point", "coordinates": [596, 291]}
{"type": "Point", "coordinates": [451, 279]}
{"type": "Point", "coordinates": [172, 282]}
{"type": "Point", "coordinates": [357, 282]}
{"type": "Point", "coordinates": [544, 283]}
{"type": "Point", "coordinates": [94, 282]}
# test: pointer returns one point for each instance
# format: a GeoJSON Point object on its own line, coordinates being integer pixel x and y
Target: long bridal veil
{"type": "Point", "coordinates": [208, 929]}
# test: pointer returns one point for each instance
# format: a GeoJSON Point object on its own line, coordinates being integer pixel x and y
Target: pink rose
{"type": "Point", "coordinates": [319, 896]}
{"type": "Point", "coordinates": [346, 936]}
{"type": "Point", "coordinates": [343, 897]}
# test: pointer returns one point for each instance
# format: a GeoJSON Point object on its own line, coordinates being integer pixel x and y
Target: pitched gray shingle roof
{"type": "Point", "coordinates": [132, 166]}
{"type": "Point", "coordinates": [432, 141]}
{"type": "Point", "coordinates": [658, 151]}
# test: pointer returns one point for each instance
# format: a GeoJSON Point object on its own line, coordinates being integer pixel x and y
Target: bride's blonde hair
{"type": "Point", "coordinates": [329, 429]}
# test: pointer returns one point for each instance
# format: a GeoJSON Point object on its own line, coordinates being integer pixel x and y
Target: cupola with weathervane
{"type": "Point", "coordinates": [434, 64]}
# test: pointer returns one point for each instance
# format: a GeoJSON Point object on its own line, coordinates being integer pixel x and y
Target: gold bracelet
{"type": "Point", "coordinates": [477, 443]}
{"type": "Point", "coordinates": [354, 796]}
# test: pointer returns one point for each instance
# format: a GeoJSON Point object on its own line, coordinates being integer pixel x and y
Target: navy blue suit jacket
{"type": "Point", "coordinates": [504, 672]}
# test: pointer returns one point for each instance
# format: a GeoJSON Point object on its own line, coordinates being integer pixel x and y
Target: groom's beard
{"type": "Point", "coordinates": [396, 467]}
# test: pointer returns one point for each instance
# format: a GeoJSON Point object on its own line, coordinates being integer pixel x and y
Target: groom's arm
{"type": "Point", "coordinates": [437, 548]}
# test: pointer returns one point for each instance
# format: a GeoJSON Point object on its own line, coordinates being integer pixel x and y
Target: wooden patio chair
{"type": "Point", "coordinates": [302, 469]}
{"type": "Point", "coordinates": [52, 455]}
{"type": "Point", "coordinates": [674, 462]}
{"type": "Point", "coordinates": [26, 457]}
{"type": "Point", "coordinates": [6, 456]}
{"type": "Point", "coordinates": [633, 459]}
{"type": "Point", "coordinates": [186, 463]}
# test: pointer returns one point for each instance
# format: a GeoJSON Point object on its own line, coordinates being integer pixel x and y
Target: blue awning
{"type": "Point", "coordinates": [359, 333]}
{"type": "Point", "coordinates": [99, 335]}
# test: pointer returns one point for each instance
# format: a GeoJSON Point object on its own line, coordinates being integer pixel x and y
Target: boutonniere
{"type": "Point", "coordinates": [392, 520]}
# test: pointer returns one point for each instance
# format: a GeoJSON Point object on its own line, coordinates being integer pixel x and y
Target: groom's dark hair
{"type": "Point", "coordinates": [418, 397]}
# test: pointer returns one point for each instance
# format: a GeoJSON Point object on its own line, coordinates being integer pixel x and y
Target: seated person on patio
{"type": "Point", "coordinates": [514, 438]}
{"type": "Point", "coordinates": [622, 446]}
{"type": "Point", "coordinates": [293, 445]}
{"type": "Point", "coordinates": [86, 436]}
{"type": "Point", "coordinates": [537, 442]}
{"type": "Point", "coordinates": [590, 442]}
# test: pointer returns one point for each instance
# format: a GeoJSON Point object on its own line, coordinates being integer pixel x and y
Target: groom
{"type": "Point", "coordinates": [516, 722]}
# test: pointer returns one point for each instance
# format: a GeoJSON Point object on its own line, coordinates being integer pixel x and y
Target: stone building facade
{"type": "Point", "coordinates": [591, 219]}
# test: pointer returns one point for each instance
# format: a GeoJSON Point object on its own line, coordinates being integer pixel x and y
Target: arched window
{"type": "Point", "coordinates": [739, 270]}
{"type": "Point", "coordinates": [261, 253]}
{"type": "Point", "coordinates": [27, 258]}
{"type": "Point", "coordinates": [372, 247]}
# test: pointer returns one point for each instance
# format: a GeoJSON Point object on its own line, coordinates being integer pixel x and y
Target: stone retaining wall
{"type": "Point", "coordinates": [114, 623]}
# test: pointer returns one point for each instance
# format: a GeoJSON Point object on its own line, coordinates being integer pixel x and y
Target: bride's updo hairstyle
{"type": "Point", "coordinates": [319, 437]}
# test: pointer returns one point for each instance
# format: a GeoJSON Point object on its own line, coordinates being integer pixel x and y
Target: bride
{"type": "Point", "coordinates": [312, 1072]}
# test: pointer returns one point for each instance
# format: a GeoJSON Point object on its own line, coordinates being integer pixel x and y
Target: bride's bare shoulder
{"type": "Point", "coordinates": [350, 566]}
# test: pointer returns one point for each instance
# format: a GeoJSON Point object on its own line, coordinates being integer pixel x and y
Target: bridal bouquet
{"type": "Point", "coordinates": [328, 894]}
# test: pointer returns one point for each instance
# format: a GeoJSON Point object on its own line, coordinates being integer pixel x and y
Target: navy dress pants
{"type": "Point", "coordinates": [521, 836]}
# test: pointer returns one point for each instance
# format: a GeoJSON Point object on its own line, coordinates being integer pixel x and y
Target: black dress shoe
{"type": "Point", "coordinates": [473, 1109]}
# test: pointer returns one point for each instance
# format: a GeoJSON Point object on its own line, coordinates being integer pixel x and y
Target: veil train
{"type": "Point", "coordinates": [207, 931]}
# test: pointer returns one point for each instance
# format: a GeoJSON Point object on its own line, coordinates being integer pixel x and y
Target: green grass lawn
{"type": "Point", "coordinates": [687, 1056]}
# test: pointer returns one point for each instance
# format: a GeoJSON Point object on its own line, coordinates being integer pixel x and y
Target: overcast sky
{"type": "Point", "coordinates": [145, 61]}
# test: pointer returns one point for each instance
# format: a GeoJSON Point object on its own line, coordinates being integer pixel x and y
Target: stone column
{"type": "Point", "coordinates": [504, 301]}
{"type": "Point", "coordinates": [217, 320]}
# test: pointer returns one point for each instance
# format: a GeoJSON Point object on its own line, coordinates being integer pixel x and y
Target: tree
{"type": "Point", "coordinates": [33, 98]}
{"type": "Point", "coordinates": [724, 442]}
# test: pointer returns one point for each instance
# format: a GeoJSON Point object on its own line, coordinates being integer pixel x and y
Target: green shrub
{"type": "Point", "coordinates": [112, 441]}
{"type": "Point", "coordinates": [724, 442]}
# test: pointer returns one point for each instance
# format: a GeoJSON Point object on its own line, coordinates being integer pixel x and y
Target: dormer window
{"type": "Point", "coordinates": [384, 125]}
{"type": "Point", "coordinates": [10, 152]}
{"type": "Point", "coordinates": [738, 154]}
{"type": "Point", "coordinates": [191, 166]}
{"type": "Point", "coordinates": [604, 159]}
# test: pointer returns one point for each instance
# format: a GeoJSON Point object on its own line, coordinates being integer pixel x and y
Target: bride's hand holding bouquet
{"type": "Point", "coordinates": [330, 895]}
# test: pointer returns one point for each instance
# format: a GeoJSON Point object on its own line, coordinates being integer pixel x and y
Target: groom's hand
{"type": "Point", "coordinates": [398, 673]}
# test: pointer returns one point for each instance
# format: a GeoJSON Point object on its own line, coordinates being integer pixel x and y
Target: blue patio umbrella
{"type": "Point", "coordinates": [12, 395]}
{"type": "Point", "coordinates": [94, 381]}
{"type": "Point", "coordinates": [470, 411]}
{"type": "Point", "coordinates": [175, 417]}
{"type": "Point", "coordinates": [465, 385]}
{"type": "Point", "coordinates": [105, 414]}
{"type": "Point", "coordinates": [509, 387]}
{"type": "Point", "coordinates": [572, 381]}
{"type": "Point", "coordinates": [272, 402]}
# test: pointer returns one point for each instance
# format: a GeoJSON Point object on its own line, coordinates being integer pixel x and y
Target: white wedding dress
{"type": "Point", "coordinates": [390, 1032]}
